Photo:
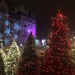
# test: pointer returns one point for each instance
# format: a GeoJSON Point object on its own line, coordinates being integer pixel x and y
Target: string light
{"type": "Point", "coordinates": [58, 60]}
{"type": "Point", "coordinates": [28, 64]}
{"type": "Point", "coordinates": [12, 58]}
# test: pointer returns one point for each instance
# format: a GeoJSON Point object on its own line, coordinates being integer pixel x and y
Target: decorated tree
{"type": "Point", "coordinates": [58, 59]}
{"type": "Point", "coordinates": [28, 64]}
{"type": "Point", "coordinates": [12, 58]}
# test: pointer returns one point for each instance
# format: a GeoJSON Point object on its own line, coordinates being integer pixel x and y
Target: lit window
{"type": "Point", "coordinates": [25, 32]}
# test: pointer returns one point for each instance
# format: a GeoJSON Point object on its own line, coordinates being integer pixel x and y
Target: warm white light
{"type": "Point", "coordinates": [21, 45]}
{"type": "Point", "coordinates": [74, 37]}
{"type": "Point", "coordinates": [43, 42]}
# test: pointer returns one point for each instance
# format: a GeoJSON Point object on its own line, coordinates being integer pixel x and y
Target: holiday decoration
{"type": "Point", "coordinates": [12, 58]}
{"type": "Point", "coordinates": [7, 32]}
{"type": "Point", "coordinates": [8, 29]}
{"type": "Point", "coordinates": [7, 23]}
{"type": "Point", "coordinates": [15, 36]}
{"type": "Point", "coordinates": [58, 59]}
{"type": "Point", "coordinates": [17, 26]}
{"type": "Point", "coordinates": [28, 64]}
{"type": "Point", "coordinates": [6, 41]}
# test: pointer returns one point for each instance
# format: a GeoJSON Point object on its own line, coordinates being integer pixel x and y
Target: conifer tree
{"type": "Point", "coordinates": [58, 59]}
{"type": "Point", "coordinates": [12, 58]}
{"type": "Point", "coordinates": [28, 64]}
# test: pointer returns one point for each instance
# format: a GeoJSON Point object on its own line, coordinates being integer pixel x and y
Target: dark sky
{"type": "Point", "coordinates": [45, 9]}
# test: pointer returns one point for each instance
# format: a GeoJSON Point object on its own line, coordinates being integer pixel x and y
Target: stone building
{"type": "Point", "coordinates": [16, 23]}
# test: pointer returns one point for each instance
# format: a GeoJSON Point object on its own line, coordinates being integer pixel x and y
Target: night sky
{"type": "Point", "coordinates": [45, 9]}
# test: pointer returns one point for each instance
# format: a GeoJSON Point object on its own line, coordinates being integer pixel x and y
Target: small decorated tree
{"type": "Point", "coordinates": [28, 64]}
{"type": "Point", "coordinates": [12, 58]}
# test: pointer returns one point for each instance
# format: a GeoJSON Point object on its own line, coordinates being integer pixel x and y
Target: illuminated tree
{"type": "Point", "coordinates": [28, 63]}
{"type": "Point", "coordinates": [12, 58]}
{"type": "Point", "coordinates": [58, 59]}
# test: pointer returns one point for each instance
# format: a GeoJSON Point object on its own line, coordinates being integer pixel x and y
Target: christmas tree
{"type": "Point", "coordinates": [28, 63]}
{"type": "Point", "coordinates": [58, 59]}
{"type": "Point", "coordinates": [12, 58]}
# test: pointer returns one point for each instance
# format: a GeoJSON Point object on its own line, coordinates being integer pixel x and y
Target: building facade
{"type": "Point", "coordinates": [16, 23]}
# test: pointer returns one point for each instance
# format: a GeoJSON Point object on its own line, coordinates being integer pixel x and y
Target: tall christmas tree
{"type": "Point", "coordinates": [12, 58]}
{"type": "Point", "coordinates": [28, 64]}
{"type": "Point", "coordinates": [58, 60]}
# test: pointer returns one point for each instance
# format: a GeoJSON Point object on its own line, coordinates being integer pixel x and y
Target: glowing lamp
{"type": "Point", "coordinates": [21, 45]}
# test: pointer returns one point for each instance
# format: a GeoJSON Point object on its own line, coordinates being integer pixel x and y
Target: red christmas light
{"type": "Point", "coordinates": [58, 60]}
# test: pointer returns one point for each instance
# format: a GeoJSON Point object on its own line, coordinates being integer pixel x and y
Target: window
{"type": "Point", "coordinates": [23, 43]}
{"type": "Point", "coordinates": [33, 21]}
{"type": "Point", "coordinates": [11, 30]}
{"type": "Point", "coordinates": [25, 32]}
{"type": "Point", "coordinates": [18, 33]}
{"type": "Point", "coordinates": [24, 26]}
